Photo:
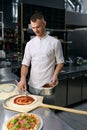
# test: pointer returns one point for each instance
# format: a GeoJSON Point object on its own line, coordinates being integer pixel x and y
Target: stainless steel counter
{"type": "Point", "coordinates": [50, 120]}
{"type": "Point", "coordinates": [73, 69]}
{"type": "Point", "coordinates": [7, 75]}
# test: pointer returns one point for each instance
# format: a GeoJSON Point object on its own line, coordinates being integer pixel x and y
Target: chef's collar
{"type": "Point", "coordinates": [44, 37]}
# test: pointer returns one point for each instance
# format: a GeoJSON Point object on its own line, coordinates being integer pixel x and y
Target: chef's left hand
{"type": "Point", "coordinates": [55, 79]}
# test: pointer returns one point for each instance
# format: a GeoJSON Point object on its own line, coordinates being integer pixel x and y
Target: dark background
{"type": "Point", "coordinates": [57, 18]}
{"type": "Point", "coordinates": [78, 47]}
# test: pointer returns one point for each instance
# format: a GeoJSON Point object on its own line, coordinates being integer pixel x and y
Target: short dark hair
{"type": "Point", "coordinates": [36, 15]}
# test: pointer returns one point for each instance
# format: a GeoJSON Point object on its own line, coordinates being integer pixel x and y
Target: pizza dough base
{"type": "Point", "coordinates": [8, 90]}
{"type": "Point", "coordinates": [9, 104]}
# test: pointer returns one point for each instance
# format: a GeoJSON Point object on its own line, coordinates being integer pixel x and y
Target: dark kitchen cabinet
{"type": "Point", "coordinates": [74, 88]}
{"type": "Point", "coordinates": [61, 92]}
{"type": "Point", "coordinates": [84, 86]}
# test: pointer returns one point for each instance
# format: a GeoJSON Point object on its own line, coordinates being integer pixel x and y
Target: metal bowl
{"type": "Point", "coordinates": [48, 91]}
{"type": "Point", "coordinates": [45, 90]}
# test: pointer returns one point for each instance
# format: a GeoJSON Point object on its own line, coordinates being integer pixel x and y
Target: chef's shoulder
{"type": "Point", "coordinates": [54, 39]}
{"type": "Point", "coordinates": [31, 41]}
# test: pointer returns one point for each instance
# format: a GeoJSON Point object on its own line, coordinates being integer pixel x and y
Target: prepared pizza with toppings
{"type": "Point", "coordinates": [23, 121]}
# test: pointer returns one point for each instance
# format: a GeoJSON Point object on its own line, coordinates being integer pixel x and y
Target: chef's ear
{"type": "Point", "coordinates": [44, 23]}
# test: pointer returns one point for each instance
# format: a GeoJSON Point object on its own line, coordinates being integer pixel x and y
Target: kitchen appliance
{"type": "Point", "coordinates": [78, 61]}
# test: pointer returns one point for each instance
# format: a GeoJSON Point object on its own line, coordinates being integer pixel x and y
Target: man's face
{"type": "Point", "coordinates": [38, 27]}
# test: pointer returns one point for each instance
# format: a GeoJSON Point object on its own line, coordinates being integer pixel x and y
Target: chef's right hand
{"type": "Point", "coordinates": [22, 85]}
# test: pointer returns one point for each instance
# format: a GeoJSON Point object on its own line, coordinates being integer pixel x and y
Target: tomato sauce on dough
{"type": "Point", "coordinates": [24, 100]}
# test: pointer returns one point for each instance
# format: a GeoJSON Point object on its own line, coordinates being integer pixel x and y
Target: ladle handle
{"type": "Point", "coordinates": [64, 109]}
